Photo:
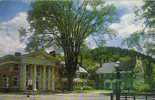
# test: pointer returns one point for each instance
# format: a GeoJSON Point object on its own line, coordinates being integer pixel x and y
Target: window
{"type": "Point", "coordinates": [15, 81]}
{"type": "Point", "coordinates": [107, 84]}
{"type": "Point", "coordinates": [102, 76]}
{"type": "Point", "coordinates": [5, 81]}
{"type": "Point", "coordinates": [38, 70]}
{"type": "Point", "coordinates": [15, 68]}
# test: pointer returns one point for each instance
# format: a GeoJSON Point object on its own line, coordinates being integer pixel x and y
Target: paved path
{"type": "Point", "coordinates": [56, 97]}
{"type": "Point", "coordinates": [77, 96]}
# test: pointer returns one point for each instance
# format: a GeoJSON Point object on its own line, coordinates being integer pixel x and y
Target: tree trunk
{"type": "Point", "coordinates": [70, 83]}
{"type": "Point", "coordinates": [70, 77]}
{"type": "Point", "coordinates": [150, 74]}
{"type": "Point", "coordinates": [71, 66]}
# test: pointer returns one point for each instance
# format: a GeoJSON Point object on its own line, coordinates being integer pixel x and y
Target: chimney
{"type": "Point", "coordinates": [17, 54]}
{"type": "Point", "coordinates": [53, 53]}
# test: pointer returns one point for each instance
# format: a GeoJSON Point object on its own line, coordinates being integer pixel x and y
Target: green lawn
{"type": "Point", "coordinates": [92, 91]}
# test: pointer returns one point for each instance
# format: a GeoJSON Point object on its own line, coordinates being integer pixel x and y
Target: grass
{"type": "Point", "coordinates": [92, 91]}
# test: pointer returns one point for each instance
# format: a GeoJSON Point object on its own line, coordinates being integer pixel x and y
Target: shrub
{"type": "Point", "coordinates": [91, 83]}
{"type": "Point", "coordinates": [141, 87]}
{"type": "Point", "coordinates": [88, 88]}
{"type": "Point", "coordinates": [83, 88]}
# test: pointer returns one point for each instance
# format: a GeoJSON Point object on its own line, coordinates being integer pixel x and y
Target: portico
{"type": "Point", "coordinates": [38, 68]}
{"type": "Point", "coordinates": [41, 76]}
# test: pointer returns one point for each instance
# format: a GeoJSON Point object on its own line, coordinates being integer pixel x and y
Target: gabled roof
{"type": "Point", "coordinates": [9, 59]}
{"type": "Point", "coordinates": [106, 68]}
{"type": "Point", "coordinates": [40, 57]}
{"type": "Point", "coordinates": [81, 69]}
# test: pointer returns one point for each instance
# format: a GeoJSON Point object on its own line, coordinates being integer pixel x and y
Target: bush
{"type": "Point", "coordinates": [83, 88]}
{"type": "Point", "coordinates": [88, 88]}
{"type": "Point", "coordinates": [90, 82]}
{"type": "Point", "coordinates": [141, 87]}
{"type": "Point", "coordinates": [77, 88]}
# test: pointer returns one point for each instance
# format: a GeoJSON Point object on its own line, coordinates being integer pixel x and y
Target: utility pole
{"type": "Point", "coordinates": [117, 80]}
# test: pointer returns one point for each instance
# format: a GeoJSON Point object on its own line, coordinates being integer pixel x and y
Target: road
{"type": "Point", "coordinates": [77, 96]}
{"type": "Point", "coordinates": [55, 97]}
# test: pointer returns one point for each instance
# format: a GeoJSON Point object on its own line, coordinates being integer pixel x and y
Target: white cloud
{"type": "Point", "coordinates": [9, 35]}
{"type": "Point", "coordinates": [10, 41]}
{"type": "Point", "coordinates": [127, 24]}
{"type": "Point", "coordinates": [90, 41]}
{"type": "Point", "coordinates": [18, 21]}
{"type": "Point", "coordinates": [126, 3]}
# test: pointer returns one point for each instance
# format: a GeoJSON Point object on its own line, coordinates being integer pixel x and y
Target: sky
{"type": "Point", "coordinates": [13, 15]}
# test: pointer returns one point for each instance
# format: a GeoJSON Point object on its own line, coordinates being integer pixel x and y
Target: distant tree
{"type": "Point", "coordinates": [149, 16]}
{"type": "Point", "coordinates": [143, 41]}
{"type": "Point", "coordinates": [134, 41]}
{"type": "Point", "coordinates": [140, 39]}
{"type": "Point", "coordinates": [22, 33]}
{"type": "Point", "coordinates": [149, 13]}
{"type": "Point", "coordinates": [68, 24]}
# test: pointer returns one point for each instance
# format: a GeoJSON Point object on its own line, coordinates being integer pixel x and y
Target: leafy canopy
{"type": "Point", "coordinates": [67, 22]}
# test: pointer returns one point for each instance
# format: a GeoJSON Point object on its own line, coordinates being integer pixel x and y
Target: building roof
{"type": "Point", "coordinates": [40, 57]}
{"type": "Point", "coordinates": [106, 68]}
{"type": "Point", "coordinates": [9, 59]}
{"type": "Point", "coordinates": [81, 69]}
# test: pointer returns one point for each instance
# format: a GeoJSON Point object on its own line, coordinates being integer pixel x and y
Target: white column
{"type": "Point", "coordinates": [23, 77]}
{"type": "Point", "coordinates": [34, 76]}
{"type": "Point", "coordinates": [40, 78]}
{"type": "Point", "coordinates": [49, 78]}
{"type": "Point", "coordinates": [44, 78]}
{"type": "Point", "coordinates": [53, 78]}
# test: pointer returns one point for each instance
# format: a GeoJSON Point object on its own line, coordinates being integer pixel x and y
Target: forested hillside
{"type": "Point", "coordinates": [113, 54]}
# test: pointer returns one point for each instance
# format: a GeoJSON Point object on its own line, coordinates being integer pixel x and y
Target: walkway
{"type": "Point", "coordinates": [56, 97]}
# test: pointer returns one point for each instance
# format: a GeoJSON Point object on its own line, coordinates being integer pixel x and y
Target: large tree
{"type": "Point", "coordinates": [68, 23]}
{"type": "Point", "coordinates": [146, 36]}
{"type": "Point", "coordinates": [149, 12]}
{"type": "Point", "coordinates": [149, 15]}
{"type": "Point", "coordinates": [143, 36]}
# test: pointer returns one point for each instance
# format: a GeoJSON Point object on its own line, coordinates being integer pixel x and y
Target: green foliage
{"type": "Point", "coordinates": [134, 40]}
{"type": "Point", "coordinates": [90, 83]}
{"type": "Point", "coordinates": [153, 75]}
{"type": "Point", "coordinates": [92, 58]}
{"type": "Point", "coordinates": [65, 20]}
{"type": "Point", "coordinates": [149, 12]}
{"type": "Point", "coordinates": [129, 59]}
{"type": "Point", "coordinates": [141, 87]}
{"type": "Point", "coordinates": [83, 88]}
{"type": "Point", "coordinates": [89, 86]}
{"type": "Point", "coordinates": [89, 64]}
{"type": "Point", "coordinates": [107, 54]}
{"type": "Point", "coordinates": [68, 25]}
{"type": "Point", "coordinates": [125, 60]}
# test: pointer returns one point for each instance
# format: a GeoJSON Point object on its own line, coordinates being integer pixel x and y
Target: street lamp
{"type": "Point", "coordinates": [117, 67]}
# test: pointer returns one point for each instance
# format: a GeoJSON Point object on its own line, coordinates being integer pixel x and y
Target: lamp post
{"type": "Point", "coordinates": [117, 80]}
